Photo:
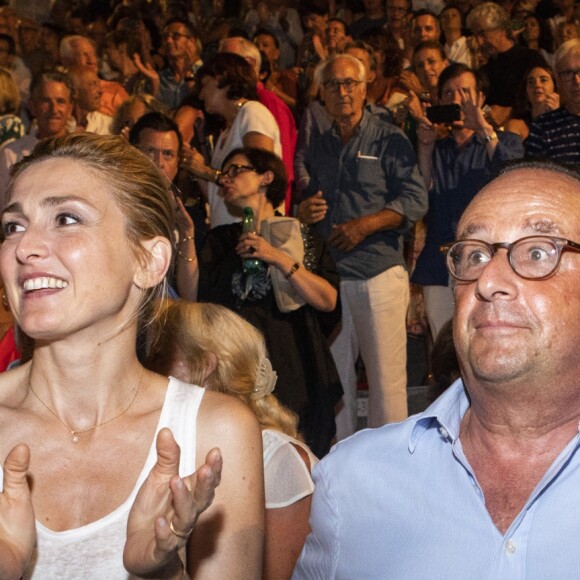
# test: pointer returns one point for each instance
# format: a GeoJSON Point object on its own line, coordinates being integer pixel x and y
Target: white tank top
{"type": "Point", "coordinates": [95, 551]}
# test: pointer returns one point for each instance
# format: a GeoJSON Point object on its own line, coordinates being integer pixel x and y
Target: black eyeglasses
{"type": "Point", "coordinates": [175, 35]}
{"type": "Point", "coordinates": [533, 257]}
{"type": "Point", "coordinates": [569, 75]}
{"type": "Point", "coordinates": [234, 170]}
{"type": "Point", "coordinates": [334, 85]}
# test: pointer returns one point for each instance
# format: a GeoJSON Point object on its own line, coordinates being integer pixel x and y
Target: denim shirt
{"type": "Point", "coordinates": [402, 503]}
{"type": "Point", "coordinates": [376, 170]}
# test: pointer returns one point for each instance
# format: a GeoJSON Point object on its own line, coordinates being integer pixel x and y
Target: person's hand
{"type": "Point", "coordinates": [551, 102]}
{"type": "Point", "coordinates": [416, 107]}
{"type": "Point", "coordinates": [17, 526]}
{"type": "Point", "coordinates": [347, 236]}
{"type": "Point", "coordinates": [410, 81]}
{"type": "Point", "coordinates": [313, 209]}
{"type": "Point", "coordinates": [319, 47]}
{"type": "Point", "coordinates": [182, 218]}
{"type": "Point", "coordinates": [427, 133]}
{"type": "Point", "coordinates": [166, 510]}
{"type": "Point", "coordinates": [252, 245]}
{"type": "Point", "coordinates": [471, 109]}
{"type": "Point", "coordinates": [148, 71]}
{"type": "Point", "coordinates": [193, 161]}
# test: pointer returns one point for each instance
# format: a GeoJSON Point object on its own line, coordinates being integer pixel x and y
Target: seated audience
{"type": "Point", "coordinates": [308, 382]}
{"type": "Point", "coordinates": [556, 134]}
{"type": "Point", "coordinates": [211, 346]}
{"type": "Point", "coordinates": [227, 87]}
{"type": "Point", "coordinates": [87, 94]}
{"type": "Point", "coordinates": [537, 95]}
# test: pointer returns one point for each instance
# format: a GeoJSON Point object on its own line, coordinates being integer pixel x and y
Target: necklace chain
{"type": "Point", "coordinates": [74, 433]}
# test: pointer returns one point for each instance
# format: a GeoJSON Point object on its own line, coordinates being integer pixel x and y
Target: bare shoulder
{"type": "Point", "coordinates": [227, 423]}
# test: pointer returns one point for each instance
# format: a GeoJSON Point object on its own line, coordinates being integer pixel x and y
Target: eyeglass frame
{"type": "Point", "coordinates": [238, 167]}
{"type": "Point", "coordinates": [572, 73]}
{"type": "Point", "coordinates": [561, 244]}
{"type": "Point", "coordinates": [175, 36]}
{"type": "Point", "coordinates": [333, 85]}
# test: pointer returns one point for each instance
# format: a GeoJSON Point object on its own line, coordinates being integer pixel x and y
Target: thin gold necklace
{"type": "Point", "coordinates": [74, 433]}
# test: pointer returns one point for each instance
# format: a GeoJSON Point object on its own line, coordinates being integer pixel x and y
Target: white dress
{"type": "Point", "coordinates": [95, 551]}
{"type": "Point", "coordinates": [253, 117]}
{"type": "Point", "coordinates": [286, 477]}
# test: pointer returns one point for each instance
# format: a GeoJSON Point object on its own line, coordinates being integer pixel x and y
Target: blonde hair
{"type": "Point", "coordinates": [139, 188]}
{"type": "Point", "coordinates": [202, 334]}
{"type": "Point", "coordinates": [9, 94]}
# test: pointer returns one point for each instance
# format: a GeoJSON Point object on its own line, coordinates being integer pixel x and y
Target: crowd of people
{"type": "Point", "coordinates": [256, 198]}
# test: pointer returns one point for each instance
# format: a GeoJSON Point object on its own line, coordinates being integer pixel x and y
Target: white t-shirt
{"type": "Point", "coordinates": [286, 477]}
{"type": "Point", "coordinates": [253, 117]}
{"type": "Point", "coordinates": [95, 551]}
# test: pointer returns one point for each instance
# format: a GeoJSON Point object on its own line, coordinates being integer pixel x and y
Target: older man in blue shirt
{"type": "Point", "coordinates": [366, 192]}
{"type": "Point", "coordinates": [483, 484]}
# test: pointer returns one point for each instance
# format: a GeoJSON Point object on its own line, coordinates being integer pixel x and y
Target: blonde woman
{"type": "Point", "coordinates": [122, 461]}
{"type": "Point", "coordinates": [209, 345]}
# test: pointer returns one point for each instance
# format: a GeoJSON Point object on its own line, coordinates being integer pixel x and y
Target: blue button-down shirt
{"type": "Point", "coordinates": [402, 502]}
{"type": "Point", "coordinates": [376, 170]}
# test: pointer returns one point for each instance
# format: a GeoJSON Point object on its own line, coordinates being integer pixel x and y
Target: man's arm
{"type": "Point", "coordinates": [345, 237]}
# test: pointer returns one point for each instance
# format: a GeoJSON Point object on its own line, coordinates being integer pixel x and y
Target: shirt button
{"type": "Point", "coordinates": [510, 547]}
{"type": "Point", "coordinates": [444, 432]}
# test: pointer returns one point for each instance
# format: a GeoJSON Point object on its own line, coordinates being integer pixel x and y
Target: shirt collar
{"type": "Point", "coordinates": [446, 413]}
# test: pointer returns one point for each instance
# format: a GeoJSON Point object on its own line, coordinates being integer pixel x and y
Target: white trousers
{"type": "Point", "coordinates": [374, 326]}
{"type": "Point", "coordinates": [439, 306]}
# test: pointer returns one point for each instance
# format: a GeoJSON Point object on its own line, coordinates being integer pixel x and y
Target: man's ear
{"type": "Point", "coordinates": [155, 262]}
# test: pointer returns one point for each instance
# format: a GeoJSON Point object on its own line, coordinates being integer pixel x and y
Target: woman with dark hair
{"type": "Point", "coordinates": [308, 382]}
{"type": "Point", "coordinates": [227, 87]}
{"type": "Point", "coordinates": [537, 95]}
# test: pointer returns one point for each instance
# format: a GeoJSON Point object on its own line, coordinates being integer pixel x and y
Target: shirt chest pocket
{"type": "Point", "coordinates": [368, 171]}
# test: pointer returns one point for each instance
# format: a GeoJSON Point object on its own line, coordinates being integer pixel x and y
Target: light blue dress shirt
{"type": "Point", "coordinates": [402, 502]}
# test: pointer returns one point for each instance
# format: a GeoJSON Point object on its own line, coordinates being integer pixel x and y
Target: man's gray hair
{"type": "Point", "coordinates": [321, 72]}
{"type": "Point", "coordinates": [67, 48]}
{"type": "Point", "coordinates": [566, 48]}
{"type": "Point", "coordinates": [247, 50]}
{"type": "Point", "coordinates": [491, 16]}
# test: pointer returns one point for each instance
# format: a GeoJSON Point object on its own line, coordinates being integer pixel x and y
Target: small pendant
{"type": "Point", "coordinates": [74, 437]}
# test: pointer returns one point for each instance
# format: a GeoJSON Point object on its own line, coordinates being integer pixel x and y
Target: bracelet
{"type": "Point", "coordinates": [295, 267]}
{"type": "Point", "coordinates": [186, 240]}
{"type": "Point", "coordinates": [217, 175]}
{"type": "Point", "coordinates": [182, 255]}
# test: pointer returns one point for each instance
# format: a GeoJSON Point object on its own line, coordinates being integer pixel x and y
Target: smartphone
{"type": "Point", "coordinates": [444, 114]}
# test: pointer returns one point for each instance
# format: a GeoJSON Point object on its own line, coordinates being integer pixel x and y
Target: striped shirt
{"type": "Point", "coordinates": [555, 134]}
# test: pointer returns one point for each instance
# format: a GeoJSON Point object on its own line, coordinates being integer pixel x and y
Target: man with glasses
{"type": "Point", "coordinates": [508, 62]}
{"type": "Point", "coordinates": [556, 134]}
{"type": "Point", "coordinates": [365, 192]}
{"type": "Point", "coordinates": [183, 53]}
{"type": "Point", "coordinates": [484, 483]}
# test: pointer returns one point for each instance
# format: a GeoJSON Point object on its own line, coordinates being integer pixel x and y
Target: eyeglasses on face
{"type": "Point", "coordinates": [174, 35]}
{"type": "Point", "coordinates": [234, 170]}
{"type": "Point", "coordinates": [348, 84]}
{"type": "Point", "coordinates": [533, 257]}
{"type": "Point", "coordinates": [569, 75]}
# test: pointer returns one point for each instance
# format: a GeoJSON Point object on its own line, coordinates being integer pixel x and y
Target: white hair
{"type": "Point", "coordinates": [566, 48]}
{"type": "Point", "coordinates": [247, 49]}
{"type": "Point", "coordinates": [67, 49]}
{"type": "Point", "coordinates": [321, 72]}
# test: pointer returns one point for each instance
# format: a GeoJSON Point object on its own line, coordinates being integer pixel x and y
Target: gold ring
{"type": "Point", "coordinates": [178, 534]}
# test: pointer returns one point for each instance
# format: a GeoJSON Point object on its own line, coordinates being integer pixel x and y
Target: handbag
{"type": "Point", "coordinates": [284, 234]}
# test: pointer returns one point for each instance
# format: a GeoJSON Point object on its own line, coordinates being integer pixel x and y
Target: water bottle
{"type": "Point", "coordinates": [250, 265]}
